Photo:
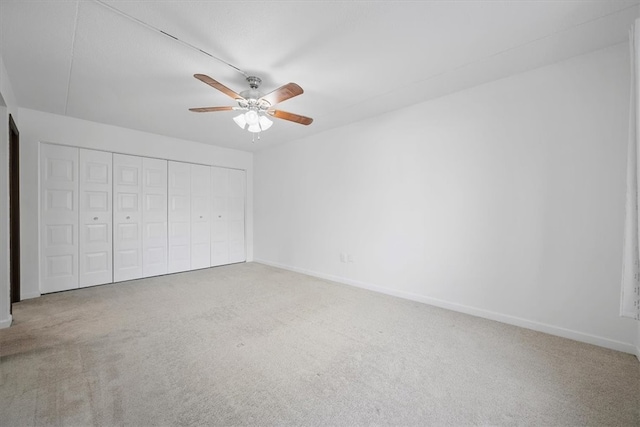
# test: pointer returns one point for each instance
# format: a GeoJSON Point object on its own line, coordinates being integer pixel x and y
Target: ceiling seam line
{"type": "Point", "coordinates": [73, 47]}
{"type": "Point", "coordinates": [171, 36]}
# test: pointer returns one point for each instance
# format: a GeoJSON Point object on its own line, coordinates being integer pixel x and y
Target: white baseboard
{"type": "Point", "coordinates": [478, 312]}
{"type": "Point", "coordinates": [30, 296]}
{"type": "Point", "coordinates": [638, 343]}
{"type": "Point", "coordinates": [6, 322]}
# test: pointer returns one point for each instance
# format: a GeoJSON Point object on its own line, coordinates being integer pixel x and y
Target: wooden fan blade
{"type": "Point", "coordinates": [283, 93]}
{"type": "Point", "coordinates": [291, 117]}
{"type": "Point", "coordinates": [217, 85]}
{"type": "Point", "coordinates": [211, 109]}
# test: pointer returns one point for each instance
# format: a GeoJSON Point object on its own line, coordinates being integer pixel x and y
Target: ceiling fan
{"type": "Point", "coordinates": [255, 104]}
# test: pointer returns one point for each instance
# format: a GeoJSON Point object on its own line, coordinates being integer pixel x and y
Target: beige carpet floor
{"type": "Point", "coordinates": [249, 344]}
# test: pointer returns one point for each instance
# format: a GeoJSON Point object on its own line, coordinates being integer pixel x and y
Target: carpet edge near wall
{"type": "Point", "coordinates": [629, 348]}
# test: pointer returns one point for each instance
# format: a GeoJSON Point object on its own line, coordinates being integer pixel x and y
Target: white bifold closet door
{"type": "Point", "coordinates": [127, 217]}
{"type": "Point", "coordinates": [227, 208]}
{"type": "Point", "coordinates": [95, 219]}
{"type": "Point", "coordinates": [200, 216]}
{"type": "Point", "coordinates": [219, 218]}
{"type": "Point", "coordinates": [109, 217]}
{"type": "Point", "coordinates": [179, 217]}
{"type": "Point", "coordinates": [58, 218]}
{"type": "Point", "coordinates": [154, 217]}
{"type": "Point", "coordinates": [236, 216]}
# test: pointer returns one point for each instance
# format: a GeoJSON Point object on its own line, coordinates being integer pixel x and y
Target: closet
{"type": "Point", "coordinates": [109, 217]}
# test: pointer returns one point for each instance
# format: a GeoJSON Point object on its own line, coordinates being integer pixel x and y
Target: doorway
{"type": "Point", "coordinates": [14, 212]}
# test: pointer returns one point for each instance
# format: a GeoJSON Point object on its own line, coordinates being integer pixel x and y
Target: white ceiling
{"type": "Point", "coordinates": [353, 59]}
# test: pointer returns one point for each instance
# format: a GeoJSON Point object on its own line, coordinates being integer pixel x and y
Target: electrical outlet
{"type": "Point", "coordinates": [343, 257]}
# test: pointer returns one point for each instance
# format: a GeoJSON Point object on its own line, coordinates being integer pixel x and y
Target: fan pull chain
{"type": "Point", "coordinates": [182, 42]}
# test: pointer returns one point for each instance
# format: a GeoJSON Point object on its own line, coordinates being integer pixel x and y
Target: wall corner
{"type": "Point", "coordinates": [6, 322]}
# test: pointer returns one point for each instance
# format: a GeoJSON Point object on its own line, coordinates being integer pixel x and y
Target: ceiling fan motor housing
{"type": "Point", "coordinates": [254, 82]}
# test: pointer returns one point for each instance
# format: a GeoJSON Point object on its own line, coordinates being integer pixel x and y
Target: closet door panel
{"type": "Point", "coordinates": [127, 221]}
{"type": "Point", "coordinates": [219, 216]}
{"type": "Point", "coordinates": [236, 214]}
{"type": "Point", "coordinates": [154, 217]}
{"type": "Point", "coordinates": [200, 216]}
{"type": "Point", "coordinates": [179, 217]}
{"type": "Point", "coordinates": [58, 218]}
{"type": "Point", "coordinates": [95, 220]}
{"type": "Point", "coordinates": [228, 213]}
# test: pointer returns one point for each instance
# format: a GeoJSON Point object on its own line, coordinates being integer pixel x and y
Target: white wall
{"type": "Point", "coordinates": [36, 127]}
{"type": "Point", "coordinates": [504, 201]}
{"type": "Point", "coordinates": [7, 106]}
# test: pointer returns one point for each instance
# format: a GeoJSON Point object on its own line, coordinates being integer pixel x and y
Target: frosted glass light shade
{"type": "Point", "coordinates": [240, 121]}
{"type": "Point", "coordinates": [254, 128]}
{"type": "Point", "coordinates": [251, 117]}
{"type": "Point", "coordinates": [265, 123]}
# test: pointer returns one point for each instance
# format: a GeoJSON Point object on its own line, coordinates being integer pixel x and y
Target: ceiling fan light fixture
{"type": "Point", "coordinates": [252, 121]}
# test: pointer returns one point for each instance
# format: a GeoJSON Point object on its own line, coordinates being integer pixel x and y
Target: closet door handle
{"type": "Point", "coordinates": [95, 218]}
{"type": "Point", "coordinates": [128, 217]}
